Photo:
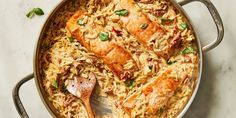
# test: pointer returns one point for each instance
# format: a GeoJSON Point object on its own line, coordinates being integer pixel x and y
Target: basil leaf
{"type": "Point", "coordinates": [161, 110]}
{"type": "Point", "coordinates": [46, 44]}
{"type": "Point", "coordinates": [104, 36]}
{"type": "Point", "coordinates": [38, 11]}
{"type": "Point", "coordinates": [80, 22]}
{"type": "Point", "coordinates": [170, 62]}
{"type": "Point", "coordinates": [166, 20]}
{"type": "Point", "coordinates": [64, 88]}
{"type": "Point", "coordinates": [30, 14]}
{"type": "Point", "coordinates": [183, 26]}
{"type": "Point", "coordinates": [54, 83]}
{"type": "Point", "coordinates": [150, 67]}
{"type": "Point", "coordinates": [122, 12]}
{"type": "Point", "coordinates": [144, 26]}
{"type": "Point", "coordinates": [187, 50]}
{"type": "Point", "coordinates": [71, 39]}
{"type": "Point", "coordinates": [130, 83]}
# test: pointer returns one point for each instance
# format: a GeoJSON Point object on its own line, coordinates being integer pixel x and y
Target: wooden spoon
{"type": "Point", "coordinates": [82, 88]}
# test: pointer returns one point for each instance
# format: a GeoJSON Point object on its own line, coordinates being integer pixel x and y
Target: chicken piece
{"type": "Point", "coordinates": [140, 26]}
{"type": "Point", "coordinates": [157, 92]}
{"type": "Point", "coordinates": [113, 55]}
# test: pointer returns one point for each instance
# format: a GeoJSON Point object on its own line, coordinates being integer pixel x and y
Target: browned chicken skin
{"type": "Point", "coordinates": [111, 53]}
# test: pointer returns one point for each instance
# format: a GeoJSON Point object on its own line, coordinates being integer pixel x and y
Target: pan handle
{"type": "Point", "coordinates": [217, 19]}
{"type": "Point", "coordinates": [16, 98]}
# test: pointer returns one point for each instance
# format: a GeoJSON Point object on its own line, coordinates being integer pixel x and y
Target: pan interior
{"type": "Point", "coordinates": [56, 42]}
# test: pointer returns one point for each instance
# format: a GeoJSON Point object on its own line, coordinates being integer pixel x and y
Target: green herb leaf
{"type": "Point", "coordinates": [30, 14]}
{"type": "Point", "coordinates": [80, 22]}
{"type": "Point", "coordinates": [122, 12]}
{"type": "Point", "coordinates": [64, 89]}
{"type": "Point", "coordinates": [161, 110]}
{"type": "Point", "coordinates": [71, 39]}
{"type": "Point", "coordinates": [144, 26]}
{"type": "Point", "coordinates": [104, 36]}
{"type": "Point", "coordinates": [150, 67]}
{"type": "Point", "coordinates": [46, 44]}
{"type": "Point", "coordinates": [183, 26]}
{"type": "Point", "coordinates": [166, 20]}
{"type": "Point", "coordinates": [130, 83]}
{"type": "Point", "coordinates": [187, 50]}
{"type": "Point", "coordinates": [54, 83]}
{"type": "Point", "coordinates": [38, 11]}
{"type": "Point", "coordinates": [170, 62]}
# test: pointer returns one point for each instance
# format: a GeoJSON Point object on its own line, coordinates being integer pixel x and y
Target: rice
{"type": "Point", "coordinates": [62, 57]}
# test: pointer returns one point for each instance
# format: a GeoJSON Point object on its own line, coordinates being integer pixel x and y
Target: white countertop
{"type": "Point", "coordinates": [217, 92]}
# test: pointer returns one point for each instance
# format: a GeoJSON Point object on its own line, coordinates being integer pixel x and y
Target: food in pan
{"type": "Point", "coordinates": [143, 54]}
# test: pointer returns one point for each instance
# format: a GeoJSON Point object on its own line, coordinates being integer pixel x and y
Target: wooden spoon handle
{"type": "Point", "coordinates": [89, 108]}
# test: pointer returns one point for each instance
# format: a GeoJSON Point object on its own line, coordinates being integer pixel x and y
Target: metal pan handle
{"type": "Point", "coordinates": [16, 98]}
{"type": "Point", "coordinates": [217, 19]}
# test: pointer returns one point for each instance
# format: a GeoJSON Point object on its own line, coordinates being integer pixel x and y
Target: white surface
{"type": "Point", "coordinates": [215, 98]}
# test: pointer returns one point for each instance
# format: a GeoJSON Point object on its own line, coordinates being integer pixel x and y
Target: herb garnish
{"type": "Point", "coordinates": [144, 26]}
{"type": "Point", "coordinates": [35, 11]}
{"type": "Point", "coordinates": [130, 83]}
{"type": "Point", "coordinates": [187, 50]}
{"type": "Point", "coordinates": [183, 26]}
{"type": "Point", "coordinates": [104, 36]}
{"type": "Point", "coordinates": [122, 12]}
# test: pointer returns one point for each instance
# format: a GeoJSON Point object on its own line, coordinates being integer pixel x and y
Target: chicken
{"type": "Point", "coordinates": [113, 55]}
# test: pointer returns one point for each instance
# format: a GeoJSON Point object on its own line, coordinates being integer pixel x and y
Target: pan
{"type": "Point", "coordinates": [178, 5]}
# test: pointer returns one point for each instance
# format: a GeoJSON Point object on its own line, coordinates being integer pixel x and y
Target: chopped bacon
{"type": "Point", "coordinates": [158, 12]}
{"type": "Point", "coordinates": [69, 100]}
{"type": "Point", "coordinates": [187, 58]}
{"type": "Point", "coordinates": [118, 103]}
{"type": "Point", "coordinates": [118, 32]}
{"type": "Point", "coordinates": [155, 64]}
{"type": "Point", "coordinates": [109, 91]}
{"type": "Point", "coordinates": [62, 70]}
{"type": "Point", "coordinates": [176, 41]}
{"type": "Point", "coordinates": [126, 75]}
